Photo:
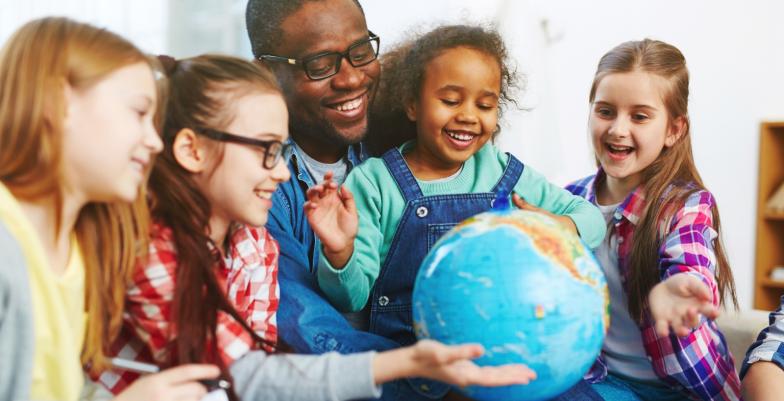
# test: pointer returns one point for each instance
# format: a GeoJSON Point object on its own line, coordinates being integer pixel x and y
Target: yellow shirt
{"type": "Point", "coordinates": [58, 309]}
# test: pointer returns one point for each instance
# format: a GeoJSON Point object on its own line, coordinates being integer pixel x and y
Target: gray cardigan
{"type": "Point", "coordinates": [16, 323]}
{"type": "Point", "coordinates": [289, 377]}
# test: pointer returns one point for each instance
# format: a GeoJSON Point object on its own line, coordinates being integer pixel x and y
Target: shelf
{"type": "Point", "coordinates": [769, 247]}
{"type": "Point", "coordinates": [774, 216]}
{"type": "Point", "coordinates": [773, 124]}
{"type": "Point", "coordinates": [773, 283]}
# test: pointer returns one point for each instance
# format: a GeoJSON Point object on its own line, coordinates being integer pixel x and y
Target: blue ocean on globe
{"type": "Point", "coordinates": [525, 288]}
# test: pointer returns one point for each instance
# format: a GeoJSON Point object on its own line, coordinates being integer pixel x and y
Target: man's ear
{"type": "Point", "coordinates": [676, 131]}
{"type": "Point", "coordinates": [411, 110]}
{"type": "Point", "coordinates": [189, 151]}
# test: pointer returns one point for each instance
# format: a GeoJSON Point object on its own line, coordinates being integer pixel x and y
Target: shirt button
{"type": "Point", "coordinates": [424, 387]}
{"type": "Point", "coordinates": [421, 211]}
{"type": "Point", "coordinates": [383, 300]}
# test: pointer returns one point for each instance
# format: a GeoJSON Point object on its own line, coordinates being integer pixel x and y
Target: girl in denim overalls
{"type": "Point", "coordinates": [446, 88]}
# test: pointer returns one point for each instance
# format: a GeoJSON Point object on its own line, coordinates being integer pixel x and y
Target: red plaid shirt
{"type": "Point", "coordinates": [250, 277]}
{"type": "Point", "coordinates": [699, 364]}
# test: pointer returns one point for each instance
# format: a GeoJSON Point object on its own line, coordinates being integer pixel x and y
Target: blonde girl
{"type": "Point", "coordinates": [76, 139]}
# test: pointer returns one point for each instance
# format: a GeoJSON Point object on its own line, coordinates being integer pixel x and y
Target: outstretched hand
{"type": "Point", "coordinates": [677, 303]}
{"type": "Point", "coordinates": [565, 221]}
{"type": "Point", "coordinates": [452, 364]}
{"type": "Point", "coordinates": [332, 214]}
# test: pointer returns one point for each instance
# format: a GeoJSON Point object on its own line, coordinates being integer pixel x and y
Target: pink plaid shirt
{"type": "Point", "coordinates": [250, 275]}
{"type": "Point", "coordinates": [699, 364]}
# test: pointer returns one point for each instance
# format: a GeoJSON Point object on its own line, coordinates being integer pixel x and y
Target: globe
{"type": "Point", "coordinates": [524, 287]}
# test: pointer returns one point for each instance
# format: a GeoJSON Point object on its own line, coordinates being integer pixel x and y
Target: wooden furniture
{"type": "Point", "coordinates": [770, 226]}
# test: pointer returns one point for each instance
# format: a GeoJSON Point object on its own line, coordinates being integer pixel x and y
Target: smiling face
{"type": "Point", "coordinates": [239, 188]}
{"type": "Point", "coordinates": [329, 113]}
{"type": "Point", "coordinates": [630, 125]}
{"type": "Point", "coordinates": [109, 137]}
{"type": "Point", "coordinates": [457, 109]}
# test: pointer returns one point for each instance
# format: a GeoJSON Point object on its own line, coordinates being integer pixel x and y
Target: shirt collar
{"type": "Point", "coordinates": [631, 208]}
{"type": "Point", "coordinates": [355, 154]}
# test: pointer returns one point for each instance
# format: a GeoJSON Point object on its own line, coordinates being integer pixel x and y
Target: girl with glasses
{"type": "Point", "coordinates": [208, 290]}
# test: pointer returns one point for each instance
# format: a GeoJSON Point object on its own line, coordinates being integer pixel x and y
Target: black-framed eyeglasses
{"type": "Point", "coordinates": [324, 65]}
{"type": "Point", "coordinates": [274, 151]}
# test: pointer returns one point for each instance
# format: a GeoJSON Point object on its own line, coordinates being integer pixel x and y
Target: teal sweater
{"type": "Point", "coordinates": [380, 205]}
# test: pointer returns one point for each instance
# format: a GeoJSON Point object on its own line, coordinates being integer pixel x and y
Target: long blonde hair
{"type": "Point", "coordinates": [673, 165]}
{"type": "Point", "coordinates": [35, 65]}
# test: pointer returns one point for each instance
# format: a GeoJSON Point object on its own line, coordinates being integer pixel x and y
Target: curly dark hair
{"type": "Point", "coordinates": [403, 71]}
{"type": "Point", "coordinates": [263, 19]}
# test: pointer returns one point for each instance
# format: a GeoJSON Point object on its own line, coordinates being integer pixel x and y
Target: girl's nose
{"type": "Point", "coordinates": [152, 140]}
{"type": "Point", "coordinates": [467, 116]}
{"type": "Point", "coordinates": [619, 128]}
{"type": "Point", "coordinates": [281, 172]}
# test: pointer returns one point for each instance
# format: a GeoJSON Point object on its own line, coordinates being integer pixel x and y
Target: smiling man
{"type": "Point", "coordinates": [324, 57]}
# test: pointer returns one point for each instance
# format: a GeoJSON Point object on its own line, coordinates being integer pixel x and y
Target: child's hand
{"type": "Point", "coordinates": [452, 364]}
{"type": "Point", "coordinates": [449, 364]}
{"type": "Point", "coordinates": [565, 221]}
{"type": "Point", "coordinates": [678, 301]}
{"type": "Point", "coordinates": [333, 216]}
{"type": "Point", "coordinates": [179, 383]}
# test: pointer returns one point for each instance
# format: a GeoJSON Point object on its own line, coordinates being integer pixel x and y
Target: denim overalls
{"type": "Point", "coordinates": [425, 219]}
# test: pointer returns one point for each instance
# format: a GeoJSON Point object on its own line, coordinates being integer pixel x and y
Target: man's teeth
{"type": "Point", "coordinates": [350, 105]}
{"type": "Point", "coordinates": [460, 136]}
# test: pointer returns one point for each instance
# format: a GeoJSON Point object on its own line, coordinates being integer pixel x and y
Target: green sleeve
{"type": "Point", "coordinates": [536, 190]}
{"type": "Point", "coordinates": [349, 288]}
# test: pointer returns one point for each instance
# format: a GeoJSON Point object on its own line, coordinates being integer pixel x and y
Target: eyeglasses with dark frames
{"type": "Point", "coordinates": [324, 65]}
{"type": "Point", "coordinates": [274, 151]}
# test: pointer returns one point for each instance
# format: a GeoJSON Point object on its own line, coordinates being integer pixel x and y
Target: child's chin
{"type": "Point", "coordinates": [256, 221]}
{"type": "Point", "coordinates": [124, 194]}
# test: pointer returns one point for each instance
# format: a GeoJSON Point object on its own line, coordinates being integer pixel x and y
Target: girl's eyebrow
{"type": "Point", "coordinates": [458, 88]}
{"type": "Point", "coordinates": [146, 99]}
{"type": "Point", "coordinates": [489, 93]}
{"type": "Point", "coordinates": [636, 106]}
{"type": "Point", "coordinates": [268, 136]}
{"type": "Point", "coordinates": [451, 87]}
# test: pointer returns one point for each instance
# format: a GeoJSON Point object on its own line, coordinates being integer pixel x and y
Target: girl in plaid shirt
{"type": "Point", "coordinates": [208, 291]}
{"type": "Point", "coordinates": [663, 257]}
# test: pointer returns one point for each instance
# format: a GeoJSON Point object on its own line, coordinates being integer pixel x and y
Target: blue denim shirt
{"type": "Point", "coordinates": [306, 320]}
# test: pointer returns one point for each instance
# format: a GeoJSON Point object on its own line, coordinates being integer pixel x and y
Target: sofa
{"type": "Point", "coordinates": [740, 329]}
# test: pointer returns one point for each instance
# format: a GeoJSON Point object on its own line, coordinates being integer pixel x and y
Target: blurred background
{"type": "Point", "coordinates": [734, 49]}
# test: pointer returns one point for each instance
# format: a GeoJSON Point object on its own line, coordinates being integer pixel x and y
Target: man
{"type": "Point", "coordinates": [324, 57]}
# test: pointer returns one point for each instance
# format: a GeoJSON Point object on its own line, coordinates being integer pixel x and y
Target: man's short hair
{"type": "Point", "coordinates": [263, 19]}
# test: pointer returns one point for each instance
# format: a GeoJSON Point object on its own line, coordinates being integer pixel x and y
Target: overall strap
{"type": "Point", "coordinates": [511, 176]}
{"type": "Point", "coordinates": [402, 175]}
